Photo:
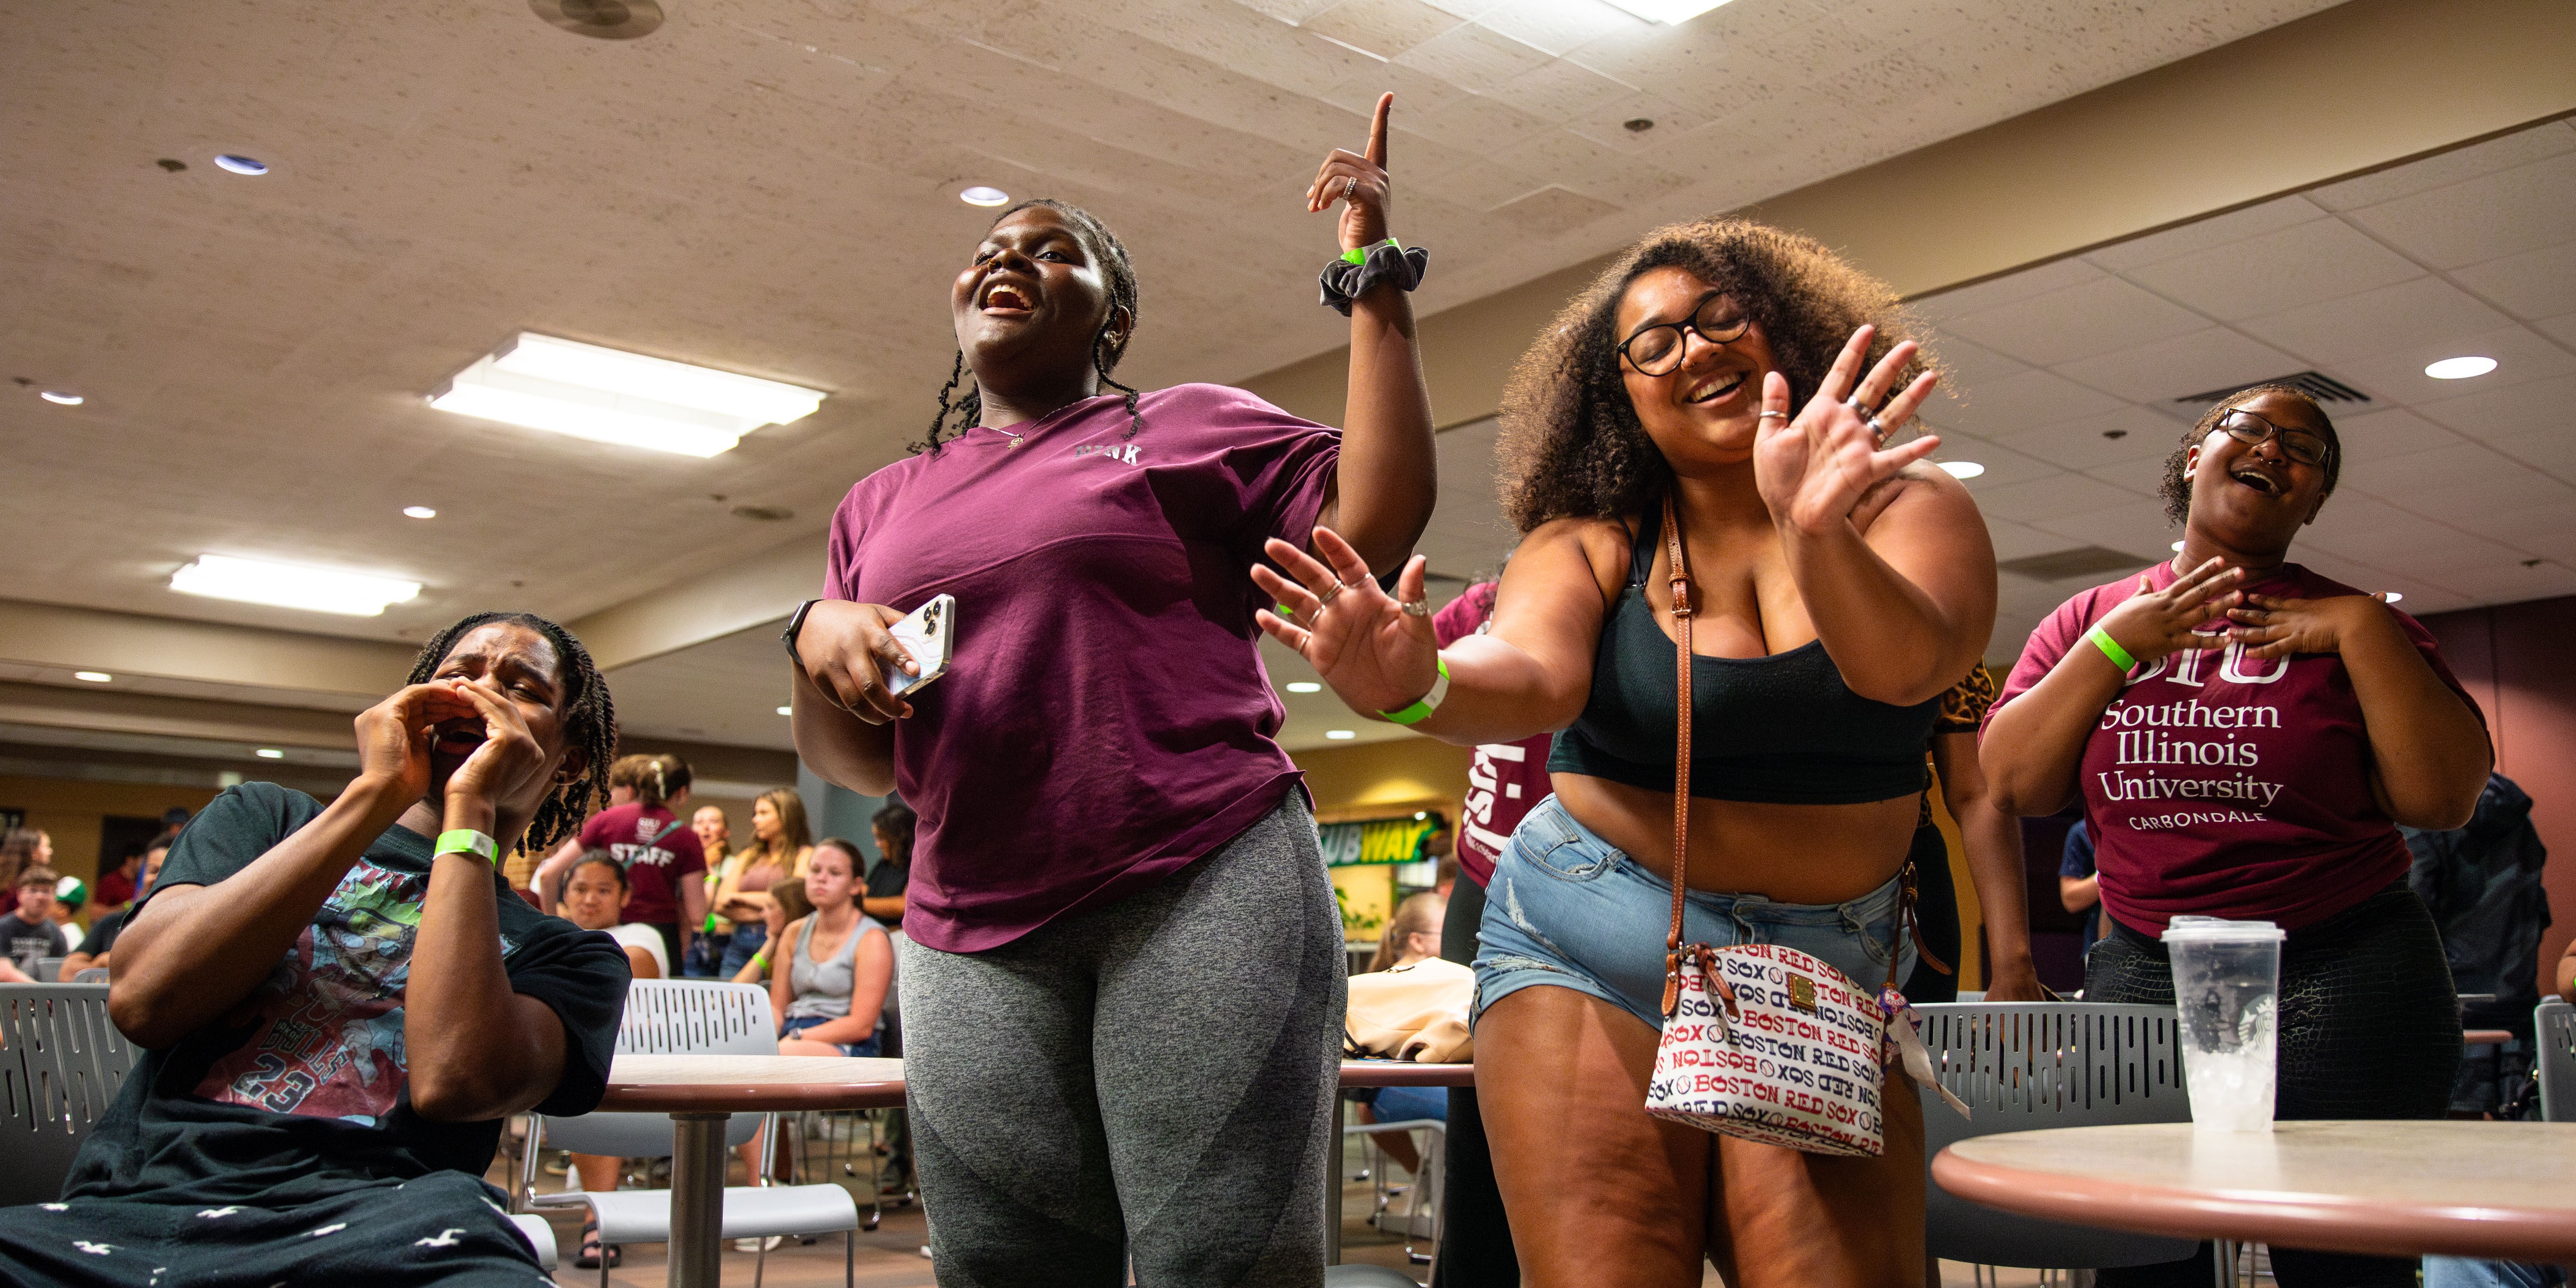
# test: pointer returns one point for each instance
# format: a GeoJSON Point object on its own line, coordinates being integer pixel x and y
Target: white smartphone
{"type": "Point", "coordinates": [930, 635]}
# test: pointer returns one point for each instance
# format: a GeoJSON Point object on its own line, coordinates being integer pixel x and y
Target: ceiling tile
{"type": "Point", "coordinates": [1553, 209]}
{"type": "Point", "coordinates": [1561, 91]}
{"type": "Point", "coordinates": [2373, 322]}
{"type": "Point", "coordinates": [2447, 467]}
{"type": "Point", "coordinates": [1415, 93]}
{"type": "Point", "coordinates": [2004, 466]}
{"type": "Point", "coordinates": [2205, 234]}
{"type": "Point", "coordinates": [2360, 526]}
{"type": "Point", "coordinates": [1385, 28]}
{"type": "Point", "coordinates": [2041, 500]}
{"type": "Point", "coordinates": [1967, 366]}
{"type": "Point", "coordinates": [1487, 127]}
{"type": "Point", "coordinates": [2215, 358]}
{"type": "Point", "coordinates": [2518, 148]}
{"type": "Point", "coordinates": [1557, 26]}
{"type": "Point", "coordinates": [2318, 260]}
{"type": "Point", "coordinates": [2086, 443]}
{"type": "Point", "coordinates": [2480, 219]}
{"type": "Point", "coordinates": [2020, 541]}
{"type": "Point", "coordinates": [2132, 525]}
{"type": "Point", "coordinates": [2098, 316]}
{"type": "Point", "coordinates": [2026, 401]}
{"type": "Point", "coordinates": [2535, 284]}
{"type": "Point", "coordinates": [2521, 355]}
{"type": "Point", "coordinates": [2011, 288]}
{"type": "Point", "coordinates": [2387, 433]}
{"type": "Point", "coordinates": [1607, 124]}
{"type": "Point", "coordinates": [2551, 450]}
{"type": "Point", "coordinates": [2495, 413]}
{"type": "Point", "coordinates": [2561, 328]}
{"type": "Point", "coordinates": [1478, 58]}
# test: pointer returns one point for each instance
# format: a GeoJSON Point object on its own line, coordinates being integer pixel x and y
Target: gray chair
{"type": "Point", "coordinates": [1421, 1216]}
{"type": "Point", "coordinates": [2023, 1066]}
{"type": "Point", "coordinates": [1360, 1276]}
{"type": "Point", "coordinates": [60, 1070]}
{"type": "Point", "coordinates": [49, 970]}
{"type": "Point", "coordinates": [689, 1017]}
{"type": "Point", "coordinates": [541, 1237]}
{"type": "Point", "coordinates": [2553, 1022]}
{"type": "Point", "coordinates": [91, 975]}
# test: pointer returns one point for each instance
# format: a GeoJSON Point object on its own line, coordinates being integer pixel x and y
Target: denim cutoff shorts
{"type": "Point", "coordinates": [1567, 908]}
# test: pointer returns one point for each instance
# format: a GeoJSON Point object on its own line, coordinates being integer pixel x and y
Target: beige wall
{"type": "Point", "coordinates": [1401, 771]}
{"type": "Point", "coordinates": [70, 810]}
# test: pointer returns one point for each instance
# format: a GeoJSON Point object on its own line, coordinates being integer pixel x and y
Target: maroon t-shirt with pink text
{"type": "Point", "coordinates": [2224, 785]}
{"type": "Point", "coordinates": [1105, 718]}
{"type": "Point", "coordinates": [658, 851]}
{"type": "Point", "coordinates": [1506, 778]}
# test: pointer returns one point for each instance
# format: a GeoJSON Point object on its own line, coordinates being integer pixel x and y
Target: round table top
{"type": "Point", "coordinates": [2502, 1190]}
{"type": "Point", "coordinates": [750, 1084]}
{"type": "Point", "coordinates": [1406, 1073]}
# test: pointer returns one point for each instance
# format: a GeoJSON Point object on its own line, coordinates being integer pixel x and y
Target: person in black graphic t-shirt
{"type": "Point", "coordinates": [287, 1121]}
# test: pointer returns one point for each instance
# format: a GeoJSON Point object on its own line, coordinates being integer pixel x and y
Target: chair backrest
{"type": "Point", "coordinates": [49, 970]}
{"type": "Point", "coordinates": [61, 1067]}
{"type": "Point", "coordinates": [2554, 1023]}
{"type": "Point", "coordinates": [2022, 1066]}
{"type": "Point", "coordinates": [673, 1017]}
{"type": "Point", "coordinates": [91, 975]}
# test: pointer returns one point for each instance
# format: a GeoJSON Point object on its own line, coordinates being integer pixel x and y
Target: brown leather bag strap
{"type": "Point", "coordinates": [1680, 573]}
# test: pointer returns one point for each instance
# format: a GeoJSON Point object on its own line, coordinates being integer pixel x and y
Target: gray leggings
{"type": "Point", "coordinates": [1157, 1074]}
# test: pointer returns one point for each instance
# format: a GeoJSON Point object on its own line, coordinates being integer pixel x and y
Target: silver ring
{"type": "Point", "coordinates": [1327, 597]}
{"type": "Point", "coordinates": [1415, 607]}
{"type": "Point", "coordinates": [1767, 413]}
{"type": "Point", "coordinates": [1876, 430]}
{"type": "Point", "coordinates": [1856, 404]}
{"type": "Point", "coordinates": [1349, 186]}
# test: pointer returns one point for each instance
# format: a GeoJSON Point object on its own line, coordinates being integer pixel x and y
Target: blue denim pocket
{"type": "Point", "coordinates": [1549, 841]}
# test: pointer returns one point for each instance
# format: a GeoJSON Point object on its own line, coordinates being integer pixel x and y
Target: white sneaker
{"type": "Point", "coordinates": [769, 1244]}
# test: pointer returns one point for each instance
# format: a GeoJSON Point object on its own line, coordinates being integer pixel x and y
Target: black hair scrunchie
{"type": "Point", "coordinates": [1344, 281]}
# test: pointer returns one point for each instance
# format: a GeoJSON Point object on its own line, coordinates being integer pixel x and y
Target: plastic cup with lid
{"type": "Point", "coordinates": [2227, 984]}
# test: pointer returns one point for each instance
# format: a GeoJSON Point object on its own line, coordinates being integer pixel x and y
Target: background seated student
{"type": "Point", "coordinates": [829, 990]}
{"type": "Point", "coordinates": [662, 857]}
{"type": "Point", "coordinates": [1411, 935]}
{"type": "Point", "coordinates": [893, 827]}
{"type": "Point", "coordinates": [30, 935]}
{"type": "Point", "coordinates": [787, 902]}
{"type": "Point", "coordinates": [70, 896]}
{"type": "Point", "coordinates": [595, 896]}
{"type": "Point", "coordinates": [118, 885]}
{"type": "Point", "coordinates": [21, 848]}
{"type": "Point", "coordinates": [781, 843]}
{"type": "Point", "coordinates": [286, 1122]}
{"type": "Point", "coordinates": [98, 947]}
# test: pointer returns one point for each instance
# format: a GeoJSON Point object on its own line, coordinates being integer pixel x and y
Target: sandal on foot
{"type": "Point", "coordinates": [592, 1250]}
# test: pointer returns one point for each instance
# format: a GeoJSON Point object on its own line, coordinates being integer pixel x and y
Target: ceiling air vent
{"type": "Point", "coordinates": [2315, 384]}
{"type": "Point", "coordinates": [2082, 561]}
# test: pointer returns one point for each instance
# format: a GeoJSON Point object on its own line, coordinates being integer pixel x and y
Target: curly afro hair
{"type": "Point", "coordinates": [1572, 446]}
{"type": "Point", "coordinates": [2176, 488]}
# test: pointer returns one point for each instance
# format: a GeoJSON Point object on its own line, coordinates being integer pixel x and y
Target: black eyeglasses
{"type": "Point", "coordinates": [1657, 350]}
{"type": "Point", "coordinates": [2297, 444]}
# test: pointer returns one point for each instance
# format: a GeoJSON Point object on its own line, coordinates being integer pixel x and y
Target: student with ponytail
{"type": "Point", "coordinates": [664, 862]}
{"type": "Point", "coordinates": [1100, 797]}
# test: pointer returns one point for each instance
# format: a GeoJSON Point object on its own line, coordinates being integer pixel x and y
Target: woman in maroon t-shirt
{"type": "Point", "coordinates": [2245, 736]}
{"type": "Point", "coordinates": [1122, 948]}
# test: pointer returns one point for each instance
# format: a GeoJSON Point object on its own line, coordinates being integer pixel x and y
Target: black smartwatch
{"type": "Point", "coordinates": [795, 623]}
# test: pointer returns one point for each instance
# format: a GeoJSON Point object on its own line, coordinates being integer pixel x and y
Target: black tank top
{"type": "Point", "coordinates": [1781, 729]}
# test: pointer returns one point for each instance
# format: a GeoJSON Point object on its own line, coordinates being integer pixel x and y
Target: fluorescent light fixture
{"type": "Point", "coordinates": [611, 396]}
{"type": "Point", "coordinates": [787, 711]}
{"type": "Point", "coordinates": [2460, 368]}
{"type": "Point", "coordinates": [239, 164]}
{"type": "Point", "coordinates": [979, 195]}
{"type": "Point", "coordinates": [1963, 469]}
{"type": "Point", "coordinates": [269, 753]}
{"type": "Point", "coordinates": [1671, 13]}
{"type": "Point", "coordinates": [94, 677]}
{"type": "Point", "coordinates": [285, 585]}
{"type": "Point", "coordinates": [59, 396]}
{"type": "Point", "coordinates": [1304, 686]}
{"type": "Point", "coordinates": [419, 512]}
{"type": "Point", "coordinates": [1340, 735]}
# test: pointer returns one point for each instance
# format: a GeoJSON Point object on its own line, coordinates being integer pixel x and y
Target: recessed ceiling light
{"type": "Point", "coordinates": [1671, 13]}
{"type": "Point", "coordinates": [419, 512]}
{"type": "Point", "coordinates": [269, 753]}
{"type": "Point", "coordinates": [94, 677]}
{"type": "Point", "coordinates": [611, 396]}
{"type": "Point", "coordinates": [2460, 368]}
{"type": "Point", "coordinates": [1963, 469]}
{"type": "Point", "coordinates": [787, 711]}
{"type": "Point", "coordinates": [240, 164]}
{"type": "Point", "coordinates": [979, 195]}
{"type": "Point", "coordinates": [1340, 735]}
{"type": "Point", "coordinates": [2392, 596]}
{"type": "Point", "coordinates": [61, 396]}
{"type": "Point", "coordinates": [2177, 547]}
{"type": "Point", "coordinates": [284, 585]}
{"type": "Point", "coordinates": [1304, 686]}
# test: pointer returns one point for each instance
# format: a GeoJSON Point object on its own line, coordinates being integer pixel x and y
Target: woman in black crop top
{"type": "Point", "coordinates": [1840, 587]}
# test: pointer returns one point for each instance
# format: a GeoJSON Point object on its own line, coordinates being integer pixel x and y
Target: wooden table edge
{"type": "Point", "coordinates": [1406, 1073]}
{"type": "Point", "coordinates": [2322, 1221]}
{"type": "Point", "coordinates": [749, 1098]}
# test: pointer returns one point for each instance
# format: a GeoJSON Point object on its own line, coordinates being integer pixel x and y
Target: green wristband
{"type": "Point", "coordinates": [1423, 707]}
{"type": "Point", "coordinates": [2112, 650]}
{"type": "Point", "coordinates": [466, 840]}
{"type": "Point", "coordinates": [1360, 254]}
{"type": "Point", "coordinates": [760, 960]}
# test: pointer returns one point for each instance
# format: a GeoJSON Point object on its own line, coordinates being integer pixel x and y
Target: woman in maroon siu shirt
{"type": "Point", "coordinates": [1123, 986]}
{"type": "Point", "coordinates": [2246, 736]}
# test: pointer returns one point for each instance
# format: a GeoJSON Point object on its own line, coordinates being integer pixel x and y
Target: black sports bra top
{"type": "Point", "coordinates": [1783, 729]}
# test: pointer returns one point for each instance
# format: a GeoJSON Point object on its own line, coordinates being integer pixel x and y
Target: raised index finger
{"type": "Point", "coordinates": [1377, 130]}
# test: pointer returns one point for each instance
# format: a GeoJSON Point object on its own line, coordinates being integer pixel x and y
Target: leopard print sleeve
{"type": "Point", "coordinates": [1963, 707]}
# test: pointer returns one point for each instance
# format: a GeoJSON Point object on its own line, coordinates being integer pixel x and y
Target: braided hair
{"type": "Point", "coordinates": [1112, 255]}
{"type": "Point", "coordinates": [589, 719]}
